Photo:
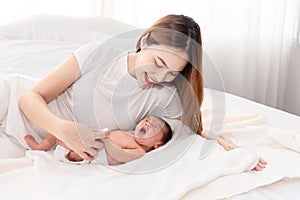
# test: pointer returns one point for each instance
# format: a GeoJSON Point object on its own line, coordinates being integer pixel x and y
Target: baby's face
{"type": "Point", "coordinates": [150, 131]}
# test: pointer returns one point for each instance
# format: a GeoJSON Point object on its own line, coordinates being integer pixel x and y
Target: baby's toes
{"type": "Point", "coordinates": [28, 137]}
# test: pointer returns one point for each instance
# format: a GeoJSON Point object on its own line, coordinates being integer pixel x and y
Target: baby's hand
{"type": "Point", "coordinates": [260, 165]}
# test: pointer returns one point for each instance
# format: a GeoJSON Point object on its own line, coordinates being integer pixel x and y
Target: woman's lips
{"type": "Point", "coordinates": [148, 79]}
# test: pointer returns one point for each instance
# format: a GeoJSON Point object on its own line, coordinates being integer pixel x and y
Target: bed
{"type": "Point", "coordinates": [35, 46]}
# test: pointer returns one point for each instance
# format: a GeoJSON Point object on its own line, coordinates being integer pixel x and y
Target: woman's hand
{"type": "Point", "coordinates": [226, 144]}
{"type": "Point", "coordinates": [81, 139]}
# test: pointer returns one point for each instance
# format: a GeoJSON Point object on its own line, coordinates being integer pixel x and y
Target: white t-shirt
{"type": "Point", "coordinates": [107, 96]}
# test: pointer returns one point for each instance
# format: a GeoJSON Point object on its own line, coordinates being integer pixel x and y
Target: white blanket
{"type": "Point", "coordinates": [228, 171]}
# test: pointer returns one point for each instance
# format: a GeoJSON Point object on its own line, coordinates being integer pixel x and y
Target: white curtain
{"type": "Point", "coordinates": [251, 45]}
{"type": "Point", "coordinates": [249, 41]}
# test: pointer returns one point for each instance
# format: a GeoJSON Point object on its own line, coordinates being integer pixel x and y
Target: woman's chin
{"type": "Point", "coordinates": [143, 84]}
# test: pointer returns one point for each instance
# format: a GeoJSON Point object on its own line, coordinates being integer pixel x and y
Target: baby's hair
{"type": "Point", "coordinates": [167, 136]}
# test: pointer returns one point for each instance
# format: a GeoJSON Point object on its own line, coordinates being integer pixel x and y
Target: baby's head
{"type": "Point", "coordinates": [152, 132]}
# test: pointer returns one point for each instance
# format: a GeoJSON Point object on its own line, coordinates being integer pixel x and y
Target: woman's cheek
{"type": "Point", "coordinates": [169, 78]}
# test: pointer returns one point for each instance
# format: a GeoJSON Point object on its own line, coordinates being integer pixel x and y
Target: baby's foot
{"type": "Point", "coordinates": [72, 156]}
{"type": "Point", "coordinates": [32, 143]}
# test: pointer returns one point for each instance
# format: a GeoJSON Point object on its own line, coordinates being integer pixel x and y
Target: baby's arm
{"type": "Point", "coordinates": [45, 145]}
{"type": "Point", "coordinates": [121, 148]}
{"type": "Point", "coordinates": [126, 142]}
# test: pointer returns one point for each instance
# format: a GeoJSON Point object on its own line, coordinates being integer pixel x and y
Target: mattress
{"type": "Point", "coordinates": [38, 57]}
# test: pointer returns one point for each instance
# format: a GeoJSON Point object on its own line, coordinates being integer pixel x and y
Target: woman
{"type": "Point", "coordinates": [169, 51]}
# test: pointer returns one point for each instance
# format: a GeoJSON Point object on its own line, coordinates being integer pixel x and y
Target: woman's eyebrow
{"type": "Point", "coordinates": [162, 61]}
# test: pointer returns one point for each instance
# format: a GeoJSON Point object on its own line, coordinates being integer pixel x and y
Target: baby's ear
{"type": "Point", "coordinates": [158, 144]}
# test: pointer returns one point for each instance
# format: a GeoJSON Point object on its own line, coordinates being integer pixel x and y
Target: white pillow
{"type": "Point", "coordinates": [66, 28]}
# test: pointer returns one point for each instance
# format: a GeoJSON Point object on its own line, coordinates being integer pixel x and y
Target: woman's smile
{"type": "Point", "coordinates": [148, 79]}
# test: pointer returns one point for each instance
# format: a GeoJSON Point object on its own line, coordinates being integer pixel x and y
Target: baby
{"type": "Point", "coordinates": [150, 133]}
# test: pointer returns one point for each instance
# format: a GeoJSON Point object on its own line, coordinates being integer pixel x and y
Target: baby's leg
{"type": "Point", "coordinates": [45, 145]}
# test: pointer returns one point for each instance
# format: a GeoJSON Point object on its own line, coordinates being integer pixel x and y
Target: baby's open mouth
{"type": "Point", "coordinates": [142, 131]}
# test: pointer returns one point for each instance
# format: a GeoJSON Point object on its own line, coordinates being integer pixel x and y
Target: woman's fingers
{"type": "Point", "coordinates": [99, 134]}
{"type": "Point", "coordinates": [97, 144]}
{"type": "Point", "coordinates": [59, 142]}
{"type": "Point", "coordinates": [88, 153]}
{"type": "Point", "coordinates": [232, 146]}
{"type": "Point", "coordinates": [93, 152]}
{"type": "Point", "coordinates": [228, 145]}
{"type": "Point", "coordinates": [260, 165]}
{"type": "Point", "coordinates": [257, 168]}
{"type": "Point", "coordinates": [85, 156]}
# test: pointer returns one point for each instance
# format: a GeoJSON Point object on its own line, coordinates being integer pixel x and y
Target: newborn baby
{"type": "Point", "coordinates": [150, 133]}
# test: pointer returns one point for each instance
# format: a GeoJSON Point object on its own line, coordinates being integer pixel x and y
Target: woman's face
{"type": "Point", "coordinates": [157, 63]}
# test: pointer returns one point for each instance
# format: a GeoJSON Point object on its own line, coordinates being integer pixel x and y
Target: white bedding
{"type": "Point", "coordinates": [287, 188]}
{"type": "Point", "coordinates": [33, 57]}
{"type": "Point", "coordinates": [37, 58]}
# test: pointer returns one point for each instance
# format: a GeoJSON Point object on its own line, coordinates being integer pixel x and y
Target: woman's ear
{"type": "Point", "coordinates": [143, 40]}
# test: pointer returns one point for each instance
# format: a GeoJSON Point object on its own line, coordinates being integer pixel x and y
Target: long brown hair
{"type": "Point", "coordinates": [182, 32]}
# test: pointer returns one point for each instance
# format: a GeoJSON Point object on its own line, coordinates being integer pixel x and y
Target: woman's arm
{"type": "Point", "coordinates": [34, 104]}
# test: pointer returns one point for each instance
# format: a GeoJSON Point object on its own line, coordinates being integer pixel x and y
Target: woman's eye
{"type": "Point", "coordinates": [157, 65]}
{"type": "Point", "coordinates": [174, 73]}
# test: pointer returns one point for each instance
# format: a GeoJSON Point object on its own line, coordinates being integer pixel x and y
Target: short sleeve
{"type": "Point", "coordinates": [167, 103]}
{"type": "Point", "coordinates": [173, 106]}
{"type": "Point", "coordinates": [83, 53]}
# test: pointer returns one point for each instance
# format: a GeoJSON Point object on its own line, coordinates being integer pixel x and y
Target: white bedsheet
{"type": "Point", "coordinates": [37, 58]}
{"type": "Point", "coordinates": [33, 57]}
